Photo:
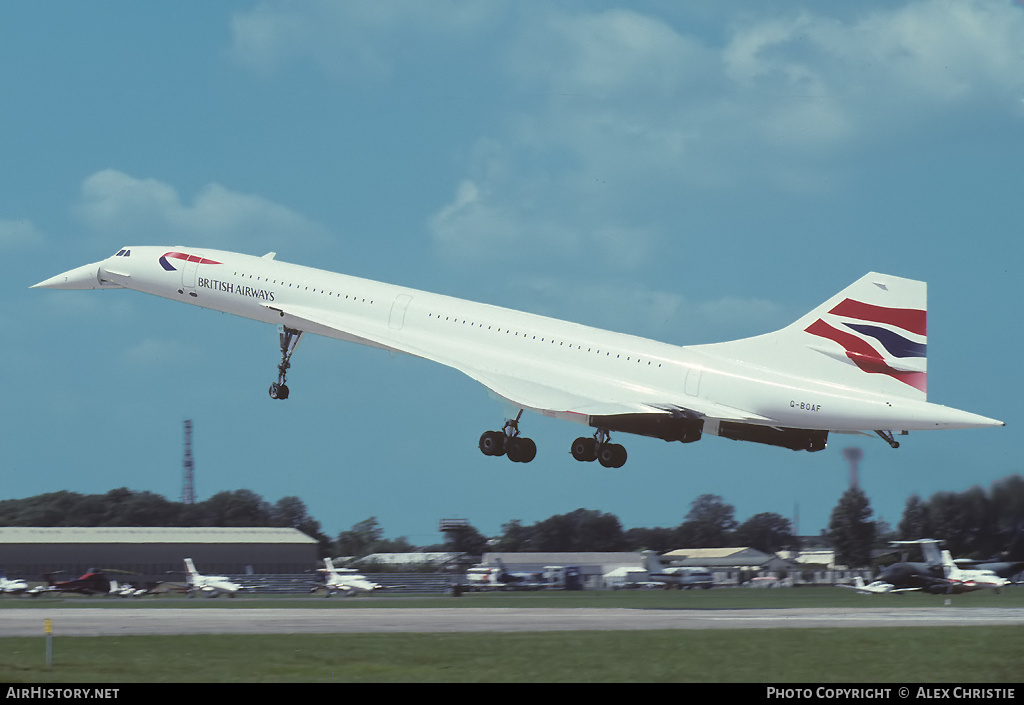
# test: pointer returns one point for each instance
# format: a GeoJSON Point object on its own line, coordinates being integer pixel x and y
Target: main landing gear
{"type": "Point", "coordinates": [587, 450]}
{"type": "Point", "coordinates": [289, 341]}
{"type": "Point", "coordinates": [508, 442]}
{"type": "Point", "coordinates": [523, 450]}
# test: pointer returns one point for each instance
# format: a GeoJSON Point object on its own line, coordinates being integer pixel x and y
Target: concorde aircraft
{"type": "Point", "coordinates": [854, 364]}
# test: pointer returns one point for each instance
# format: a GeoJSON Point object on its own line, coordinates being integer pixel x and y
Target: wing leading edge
{"type": "Point", "coordinates": [593, 402]}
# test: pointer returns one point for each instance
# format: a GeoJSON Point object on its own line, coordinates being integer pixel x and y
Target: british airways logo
{"type": "Point", "coordinates": [880, 340]}
{"type": "Point", "coordinates": [167, 256]}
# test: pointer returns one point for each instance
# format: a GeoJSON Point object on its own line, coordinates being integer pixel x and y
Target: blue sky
{"type": "Point", "coordinates": [690, 172]}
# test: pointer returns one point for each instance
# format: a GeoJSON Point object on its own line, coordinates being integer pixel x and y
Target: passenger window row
{"type": "Point", "coordinates": [542, 339]}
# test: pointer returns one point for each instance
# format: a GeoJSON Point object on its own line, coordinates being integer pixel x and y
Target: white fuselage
{"type": "Point", "coordinates": [557, 368]}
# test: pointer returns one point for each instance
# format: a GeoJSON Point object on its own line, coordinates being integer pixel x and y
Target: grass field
{"type": "Point", "coordinates": [726, 598]}
{"type": "Point", "coordinates": [921, 655]}
{"type": "Point", "coordinates": [849, 655]}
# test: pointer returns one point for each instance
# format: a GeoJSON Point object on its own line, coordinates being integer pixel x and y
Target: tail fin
{"type": "Point", "coordinates": [652, 563]}
{"type": "Point", "coordinates": [190, 567]}
{"type": "Point", "coordinates": [329, 565]}
{"type": "Point", "coordinates": [929, 549]}
{"type": "Point", "coordinates": [949, 568]}
{"type": "Point", "coordinates": [872, 335]}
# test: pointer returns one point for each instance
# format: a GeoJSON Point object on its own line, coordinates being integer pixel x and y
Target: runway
{"type": "Point", "coordinates": [156, 621]}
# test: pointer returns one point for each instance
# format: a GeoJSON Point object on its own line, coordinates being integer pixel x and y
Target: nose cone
{"type": "Point", "coordinates": [85, 277]}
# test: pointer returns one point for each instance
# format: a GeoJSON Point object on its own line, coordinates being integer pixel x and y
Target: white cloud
{"type": "Point", "coordinates": [620, 116]}
{"type": "Point", "coordinates": [623, 112]}
{"type": "Point", "coordinates": [19, 234]}
{"type": "Point", "coordinates": [355, 39]}
{"type": "Point", "coordinates": [662, 315]}
{"type": "Point", "coordinates": [147, 210]}
{"type": "Point", "coordinates": [879, 72]}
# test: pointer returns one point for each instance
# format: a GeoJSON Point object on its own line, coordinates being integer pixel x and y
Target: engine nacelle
{"type": "Point", "coordinates": [792, 438]}
{"type": "Point", "coordinates": [682, 428]}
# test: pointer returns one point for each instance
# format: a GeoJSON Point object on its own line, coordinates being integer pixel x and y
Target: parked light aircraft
{"type": "Point", "coordinates": [480, 579]}
{"type": "Point", "coordinates": [677, 577]}
{"type": "Point", "coordinates": [512, 580]}
{"type": "Point", "coordinates": [90, 583]}
{"type": "Point", "coordinates": [11, 587]}
{"type": "Point", "coordinates": [208, 585]}
{"type": "Point", "coordinates": [878, 587]}
{"type": "Point", "coordinates": [129, 590]}
{"type": "Point", "coordinates": [1010, 564]}
{"type": "Point", "coordinates": [855, 364]}
{"type": "Point", "coordinates": [346, 581]}
{"type": "Point", "coordinates": [926, 575]}
{"type": "Point", "coordinates": [970, 579]}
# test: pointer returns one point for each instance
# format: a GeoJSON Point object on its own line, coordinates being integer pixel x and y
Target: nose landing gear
{"type": "Point", "coordinates": [289, 341]}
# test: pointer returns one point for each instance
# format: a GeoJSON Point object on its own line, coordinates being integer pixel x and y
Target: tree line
{"type": "Point", "coordinates": [976, 523]}
{"type": "Point", "coordinates": [125, 507]}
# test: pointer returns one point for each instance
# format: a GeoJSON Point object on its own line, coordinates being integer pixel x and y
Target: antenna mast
{"type": "Point", "coordinates": [853, 455]}
{"type": "Point", "coordinates": [188, 495]}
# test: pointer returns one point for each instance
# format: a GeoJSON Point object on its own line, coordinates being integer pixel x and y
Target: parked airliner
{"type": "Point", "coordinates": [855, 364]}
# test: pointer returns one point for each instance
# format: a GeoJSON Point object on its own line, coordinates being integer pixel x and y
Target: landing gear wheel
{"type": "Point", "coordinates": [584, 449]}
{"type": "Point", "coordinates": [521, 450]}
{"type": "Point", "coordinates": [278, 391]}
{"type": "Point", "coordinates": [611, 455]}
{"type": "Point", "coordinates": [509, 442]}
{"type": "Point", "coordinates": [599, 448]}
{"type": "Point", "coordinates": [492, 443]}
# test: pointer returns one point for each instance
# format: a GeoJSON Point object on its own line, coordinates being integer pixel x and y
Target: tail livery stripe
{"type": "Point", "coordinates": [865, 356]}
{"type": "Point", "coordinates": [896, 344]}
{"type": "Point", "coordinates": [909, 319]}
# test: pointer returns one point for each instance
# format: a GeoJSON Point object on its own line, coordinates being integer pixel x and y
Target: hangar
{"type": "Point", "coordinates": [593, 565]}
{"type": "Point", "coordinates": [28, 552]}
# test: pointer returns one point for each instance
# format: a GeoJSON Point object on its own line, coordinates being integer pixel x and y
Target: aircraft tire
{"type": "Point", "coordinates": [530, 450]}
{"type": "Point", "coordinates": [492, 443]}
{"type": "Point", "coordinates": [278, 391]}
{"type": "Point", "coordinates": [584, 449]}
{"type": "Point", "coordinates": [521, 450]}
{"type": "Point", "coordinates": [612, 455]}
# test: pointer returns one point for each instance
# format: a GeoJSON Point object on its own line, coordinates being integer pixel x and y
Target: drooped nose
{"type": "Point", "coordinates": [84, 277]}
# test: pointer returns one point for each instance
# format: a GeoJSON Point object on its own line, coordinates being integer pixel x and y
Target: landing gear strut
{"type": "Point", "coordinates": [519, 449]}
{"type": "Point", "coordinates": [587, 450]}
{"type": "Point", "coordinates": [887, 437]}
{"type": "Point", "coordinates": [289, 341]}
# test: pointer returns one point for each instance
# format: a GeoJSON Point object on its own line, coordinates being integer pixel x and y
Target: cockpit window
{"type": "Point", "coordinates": [124, 253]}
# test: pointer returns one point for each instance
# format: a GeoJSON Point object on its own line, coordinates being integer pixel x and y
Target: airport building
{"type": "Point", "coordinates": [593, 566]}
{"type": "Point", "coordinates": [153, 552]}
{"type": "Point", "coordinates": [731, 565]}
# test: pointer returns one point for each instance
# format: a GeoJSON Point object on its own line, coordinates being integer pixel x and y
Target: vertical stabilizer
{"type": "Point", "coordinates": [870, 336]}
{"type": "Point", "coordinates": [949, 568]}
{"type": "Point", "coordinates": [652, 562]}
